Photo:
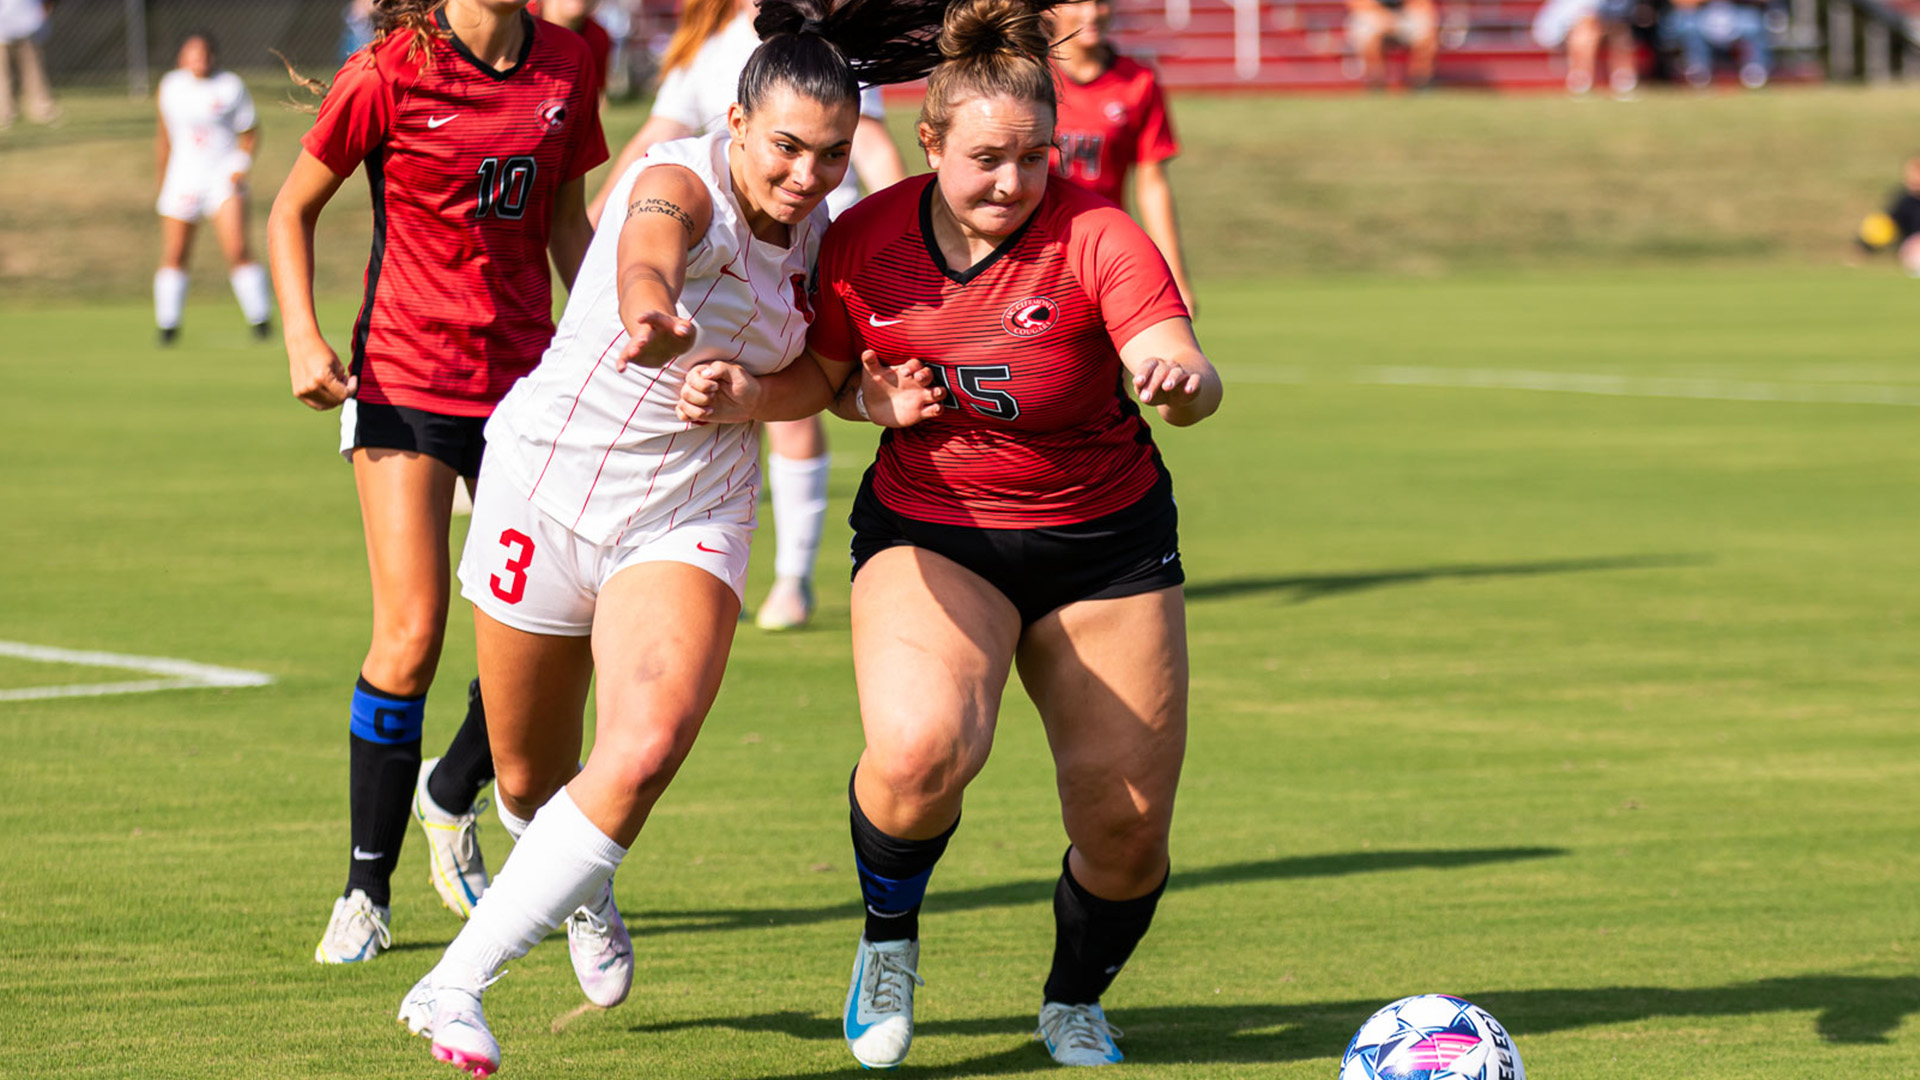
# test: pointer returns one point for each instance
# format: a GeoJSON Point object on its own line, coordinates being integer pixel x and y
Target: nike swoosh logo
{"type": "Point", "coordinates": [1169, 558]}
{"type": "Point", "coordinates": [366, 856]}
{"type": "Point", "coordinates": [438, 121]}
{"type": "Point", "coordinates": [875, 320]}
{"type": "Point", "coordinates": [705, 548]}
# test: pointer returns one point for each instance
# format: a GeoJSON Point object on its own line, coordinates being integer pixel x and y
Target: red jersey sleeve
{"type": "Point", "coordinates": [1122, 272]}
{"type": "Point", "coordinates": [590, 145]}
{"type": "Point", "coordinates": [831, 334]}
{"type": "Point", "coordinates": [354, 118]}
{"type": "Point", "coordinates": [1157, 142]}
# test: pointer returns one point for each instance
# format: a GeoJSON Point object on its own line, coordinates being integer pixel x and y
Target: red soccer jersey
{"type": "Point", "coordinates": [463, 161]}
{"type": "Point", "coordinates": [1111, 124]}
{"type": "Point", "coordinates": [1039, 429]}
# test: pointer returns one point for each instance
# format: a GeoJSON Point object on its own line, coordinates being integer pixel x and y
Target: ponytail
{"type": "Point", "coordinates": [411, 17]}
{"type": "Point", "coordinates": [990, 48]}
{"type": "Point", "coordinates": [827, 49]}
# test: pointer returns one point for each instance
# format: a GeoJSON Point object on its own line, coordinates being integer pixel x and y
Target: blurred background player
{"type": "Point", "coordinates": [701, 76]}
{"type": "Point", "coordinates": [610, 541]}
{"type": "Point", "coordinates": [1413, 23]}
{"type": "Point", "coordinates": [1113, 119]}
{"type": "Point", "coordinates": [1701, 28]}
{"type": "Point", "coordinates": [475, 125]}
{"type": "Point", "coordinates": [205, 143]}
{"type": "Point", "coordinates": [577, 16]}
{"type": "Point", "coordinates": [1897, 228]}
{"type": "Point", "coordinates": [20, 22]}
{"type": "Point", "coordinates": [1582, 25]}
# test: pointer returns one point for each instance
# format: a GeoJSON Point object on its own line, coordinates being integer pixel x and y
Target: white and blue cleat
{"type": "Point", "coordinates": [357, 931]}
{"type": "Point", "coordinates": [601, 950]}
{"type": "Point", "coordinates": [1078, 1034]}
{"type": "Point", "coordinates": [879, 1017]}
{"type": "Point", "coordinates": [454, 863]}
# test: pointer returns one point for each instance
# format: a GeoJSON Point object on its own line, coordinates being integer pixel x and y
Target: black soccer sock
{"type": "Point", "coordinates": [1093, 938]}
{"type": "Point", "coordinates": [893, 874]}
{"type": "Point", "coordinates": [467, 766]}
{"type": "Point", "coordinates": [382, 770]}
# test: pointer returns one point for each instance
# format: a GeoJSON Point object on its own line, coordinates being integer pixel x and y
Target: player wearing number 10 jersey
{"type": "Point", "coordinates": [476, 127]}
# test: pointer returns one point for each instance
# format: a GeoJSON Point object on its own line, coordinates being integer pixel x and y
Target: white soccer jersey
{"type": "Point", "coordinates": [204, 119]}
{"type": "Point", "coordinates": [599, 450]}
{"type": "Point", "coordinates": [698, 94]}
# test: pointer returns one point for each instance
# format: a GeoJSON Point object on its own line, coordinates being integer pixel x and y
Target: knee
{"type": "Point", "coordinates": [406, 650]}
{"type": "Point", "coordinates": [1130, 851]}
{"type": "Point", "coordinates": [524, 786]}
{"type": "Point", "coordinates": [643, 762]}
{"type": "Point", "coordinates": [923, 775]}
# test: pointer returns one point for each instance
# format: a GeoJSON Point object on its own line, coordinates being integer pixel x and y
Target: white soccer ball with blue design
{"type": "Point", "coordinates": [1432, 1037]}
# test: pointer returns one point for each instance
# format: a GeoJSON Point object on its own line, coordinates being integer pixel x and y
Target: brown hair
{"type": "Point", "coordinates": [992, 48]}
{"type": "Point", "coordinates": [412, 17]}
{"type": "Point", "coordinates": [699, 20]}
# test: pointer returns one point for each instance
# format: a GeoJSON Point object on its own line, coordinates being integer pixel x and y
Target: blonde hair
{"type": "Point", "coordinates": [699, 20]}
{"type": "Point", "coordinates": [991, 48]}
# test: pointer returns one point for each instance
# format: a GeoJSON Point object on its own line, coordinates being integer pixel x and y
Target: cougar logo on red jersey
{"type": "Point", "coordinates": [1030, 316]}
{"type": "Point", "coordinates": [553, 114]}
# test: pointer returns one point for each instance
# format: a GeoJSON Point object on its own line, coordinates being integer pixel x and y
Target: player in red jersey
{"type": "Point", "coordinates": [1031, 520]}
{"type": "Point", "coordinates": [577, 16]}
{"type": "Point", "coordinates": [476, 130]}
{"type": "Point", "coordinates": [1113, 120]}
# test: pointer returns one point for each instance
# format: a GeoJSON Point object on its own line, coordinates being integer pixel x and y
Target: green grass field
{"type": "Point", "coordinates": [1554, 644]}
{"type": "Point", "coordinates": [1596, 709]}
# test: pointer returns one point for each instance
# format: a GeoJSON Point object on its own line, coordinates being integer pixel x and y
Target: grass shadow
{"type": "Point", "coordinates": [1300, 588]}
{"type": "Point", "coordinates": [1847, 1009]}
{"type": "Point", "coordinates": [1039, 891]}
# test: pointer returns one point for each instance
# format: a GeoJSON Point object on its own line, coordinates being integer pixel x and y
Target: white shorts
{"type": "Point", "coordinates": [191, 197]}
{"type": "Point", "coordinates": [528, 571]}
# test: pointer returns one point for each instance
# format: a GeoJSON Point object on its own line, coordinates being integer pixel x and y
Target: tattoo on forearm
{"type": "Point", "coordinates": [672, 209]}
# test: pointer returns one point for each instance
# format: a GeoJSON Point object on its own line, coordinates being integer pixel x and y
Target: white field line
{"type": "Point", "coordinates": [180, 674]}
{"type": "Point", "coordinates": [1566, 382]}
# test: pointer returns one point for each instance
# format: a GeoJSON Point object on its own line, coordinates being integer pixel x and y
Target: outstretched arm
{"type": "Point", "coordinates": [1171, 373]}
{"type": "Point", "coordinates": [667, 212]}
{"type": "Point", "coordinates": [892, 396]}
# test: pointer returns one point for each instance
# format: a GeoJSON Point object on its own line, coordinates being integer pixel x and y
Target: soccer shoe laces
{"type": "Point", "coordinates": [885, 991]}
{"type": "Point", "coordinates": [361, 911]}
{"type": "Point", "coordinates": [1077, 1027]}
{"type": "Point", "coordinates": [466, 838]}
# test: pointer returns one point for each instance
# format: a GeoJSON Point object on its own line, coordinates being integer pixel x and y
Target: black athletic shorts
{"type": "Point", "coordinates": [1125, 553]}
{"type": "Point", "coordinates": [457, 440]}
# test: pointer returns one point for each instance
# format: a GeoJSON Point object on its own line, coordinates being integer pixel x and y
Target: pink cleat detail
{"type": "Point", "coordinates": [469, 1063]}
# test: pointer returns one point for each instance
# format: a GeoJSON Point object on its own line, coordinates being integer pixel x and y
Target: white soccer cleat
{"type": "Point", "coordinates": [601, 950]}
{"type": "Point", "coordinates": [788, 606]}
{"type": "Point", "coordinates": [879, 1016]}
{"type": "Point", "coordinates": [1078, 1034]}
{"type": "Point", "coordinates": [454, 863]}
{"type": "Point", "coordinates": [358, 930]}
{"type": "Point", "coordinates": [451, 1017]}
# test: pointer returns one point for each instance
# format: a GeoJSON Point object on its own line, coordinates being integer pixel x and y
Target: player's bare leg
{"type": "Point", "coordinates": [170, 280]}
{"type": "Point", "coordinates": [797, 469]}
{"type": "Point", "coordinates": [1110, 680]}
{"type": "Point", "coordinates": [1583, 51]}
{"type": "Point", "coordinates": [932, 646]}
{"type": "Point", "coordinates": [248, 278]}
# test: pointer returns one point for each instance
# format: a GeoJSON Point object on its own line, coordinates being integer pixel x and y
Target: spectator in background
{"type": "Point", "coordinates": [577, 16]}
{"type": "Point", "coordinates": [1700, 27]}
{"type": "Point", "coordinates": [1581, 25]}
{"type": "Point", "coordinates": [1413, 23]}
{"type": "Point", "coordinates": [1112, 119]}
{"type": "Point", "coordinates": [1897, 227]}
{"type": "Point", "coordinates": [20, 20]}
{"type": "Point", "coordinates": [357, 34]}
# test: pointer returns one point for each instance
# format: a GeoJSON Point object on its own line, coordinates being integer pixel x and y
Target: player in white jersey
{"type": "Point", "coordinates": [702, 71]}
{"type": "Point", "coordinates": [609, 533]}
{"type": "Point", "coordinates": [205, 142]}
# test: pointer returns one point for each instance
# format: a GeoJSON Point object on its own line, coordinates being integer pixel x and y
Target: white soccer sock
{"type": "Point", "coordinates": [251, 289]}
{"type": "Point", "coordinates": [169, 297]}
{"type": "Point", "coordinates": [516, 825]}
{"type": "Point", "coordinates": [560, 862]}
{"type": "Point", "coordinates": [799, 491]}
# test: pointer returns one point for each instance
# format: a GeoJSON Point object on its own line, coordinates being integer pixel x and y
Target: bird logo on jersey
{"type": "Point", "coordinates": [1029, 317]}
{"type": "Point", "coordinates": [1115, 112]}
{"type": "Point", "coordinates": [553, 114]}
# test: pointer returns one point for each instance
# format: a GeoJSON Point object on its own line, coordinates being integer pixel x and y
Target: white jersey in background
{"type": "Point", "coordinates": [204, 119]}
{"type": "Point", "coordinates": [697, 94]}
{"type": "Point", "coordinates": [600, 451]}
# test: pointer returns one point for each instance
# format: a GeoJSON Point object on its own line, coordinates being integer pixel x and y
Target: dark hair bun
{"type": "Point", "coordinates": [976, 29]}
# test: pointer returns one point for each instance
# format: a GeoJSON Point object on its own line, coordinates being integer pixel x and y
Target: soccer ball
{"type": "Point", "coordinates": [1431, 1037]}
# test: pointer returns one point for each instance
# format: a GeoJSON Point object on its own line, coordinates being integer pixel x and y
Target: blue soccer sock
{"type": "Point", "coordinates": [382, 770]}
{"type": "Point", "coordinates": [893, 874]}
